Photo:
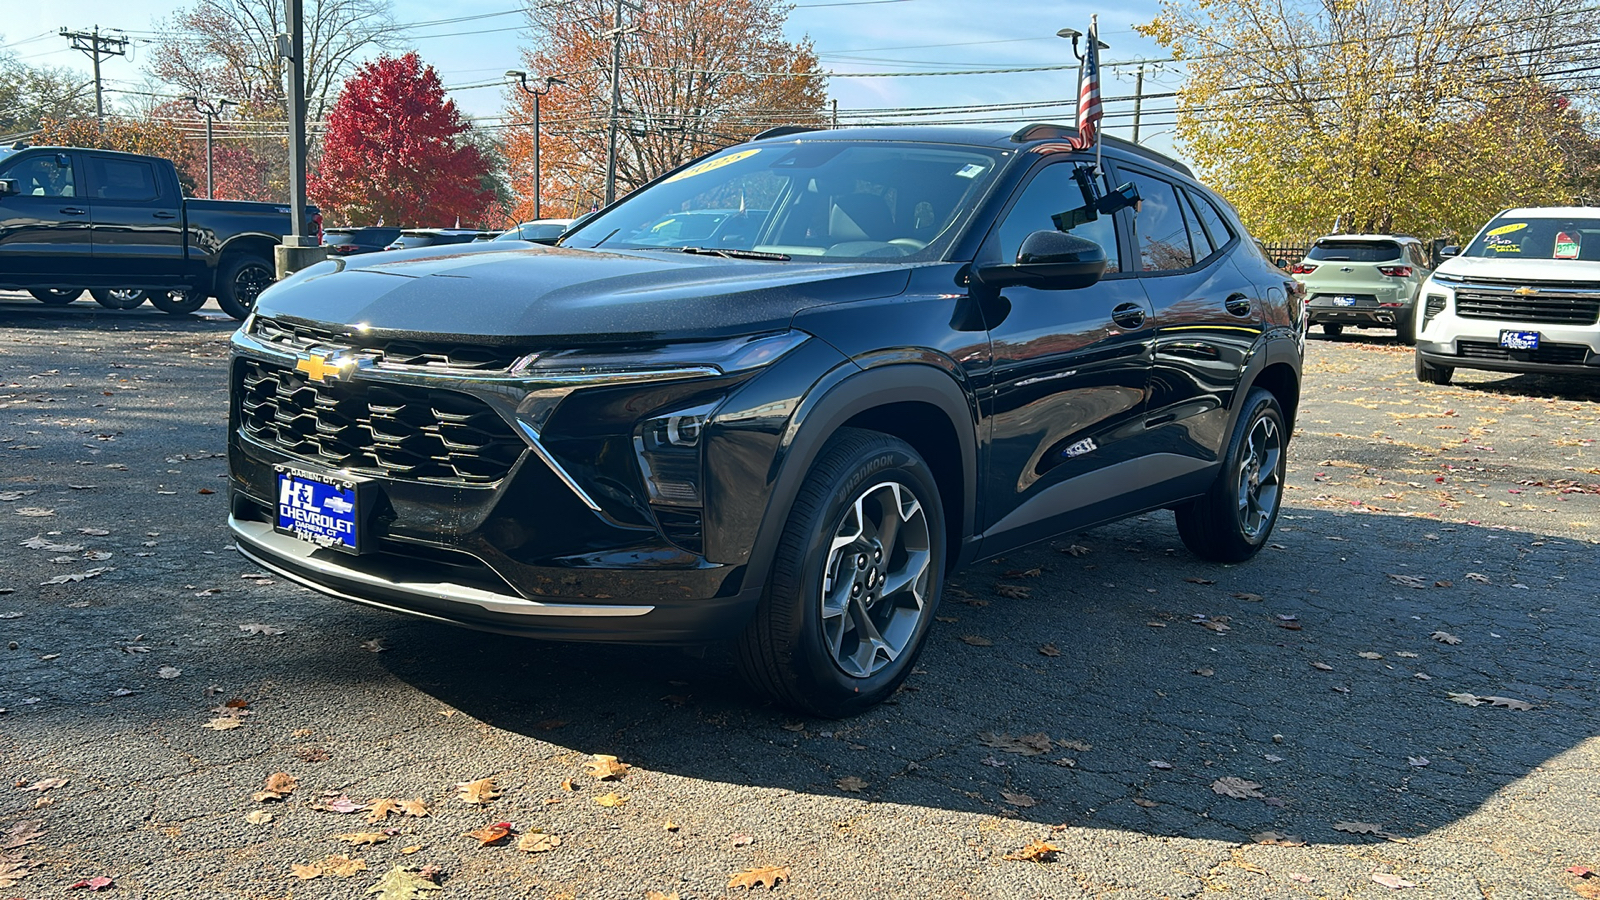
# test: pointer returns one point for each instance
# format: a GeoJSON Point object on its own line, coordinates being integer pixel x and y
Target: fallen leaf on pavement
{"type": "Point", "coordinates": [1147, 804]}
{"type": "Point", "coordinates": [1323, 666]}
{"type": "Point", "coordinates": [338, 866]}
{"type": "Point", "coordinates": [1445, 637]}
{"type": "Point", "coordinates": [1580, 871]}
{"type": "Point", "coordinates": [1274, 839]}
{"type": "Point", "coordinates": [1076, 550]}
{"type": "Point", "coordinates": [340, 804]}
{"type": "Point", "coordinates": [763, 876]}
{"type": "Point", "coordinates": [1394, 882]}
{"type": "Point", "coordinates": [1034, 851]}
{"type": "Point", "coordinates": [851, 783]}
{"type": "Point", "coordinates": [1405, 654]}
{"type": "Point", "coordinates": [258, 817]}
{"type": "Point", "coordinates": [362, 837]}
{"type": "Point", "coordinates": [1022, 801]}
{"type": "Point", "coordinates": [1014, 591]}
{"type": "Point", "coordinates": [401, 883]}
{"type": "Point", "coordinates": [1508, 703]}
{"type": "Point", "coordinates": [414, 808]}
{"type": "Point", "coordinates": [489, 834]}
{"type": "Point", "coordinates": [1049, 650]}
{"type": "Point", "coordinates": [1464, 699]}
{"type": "Point", "coordinates": [741, 840]}
{"type": "Point", "coordinates": [1410, 581]}
{"type": "Point", "coordinates": [1193, 580]}
{"type": "Point", "coordinates": [478, 793]}
{"type": "Point", "coordinates": [97, 883]}
{"type": "Point", "coordinates": [1248, 597]}
{"type": "Point", "coordinates": [35, 512]}
{"type": "Point", "coordinates": [603, 767]}
{"type": "Point", "coordinates": [78, 576]}
{"type": "Point", "coordinates": [1368, 654]}
{"type": "Point", "coordinates": [168, 672]}
{"type": "Point", "coordinates": [1303, 879]}
{"type": "Point", "coordinates": [1418, 761]}
{"type": "Point", "coordinates": [1237, 788]}
{"type": "Point", "coordinates": [1160, 764]}
{"type": "Point", "coordinates": [1205, 673]}
{"type": "Point", "coordinates": [375, 645]}
{"type": "Point", "coordinates": [255, 628]}
{"type": "Point", "coordinates": [13, 870]}
{"type": "Point", "coordinates": [1477, 578]}
{"type": "Point", "coordinates": [538, 842]}
{"type": "Point", "coordinates": [611, 800]}
{"type": "Point", "coordinates": [94, 532]}
{"type": "Point", "coordinates": [223, 723]}
{"type": "Point", "coordinates": [21, 834]}
{"type": "Point", "coordinates": [1357, 827]}
{"type": "Point", "coordinates": [46, 784]}
{"type": "Point", "coordinates": [657, 895]}
{"type": "Point", "coordinates": [279, 785]}
{"type": "Point", "coordinates": [380, 809]}
{"type": "Point", "coordinates": [976, 641]}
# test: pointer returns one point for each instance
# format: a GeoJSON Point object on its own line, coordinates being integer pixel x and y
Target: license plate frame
{"type": "Point", "coordinates": [1520, 340]}
{"type": "Point", "coordinates": [1344, 301]}
{"type": "Point", "coordinates": [341, 525]}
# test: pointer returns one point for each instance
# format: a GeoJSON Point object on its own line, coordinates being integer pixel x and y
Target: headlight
{"type": "Point", "coordinates": [668, 448]}
{"type": "Point", "coordinates": [698, 357]}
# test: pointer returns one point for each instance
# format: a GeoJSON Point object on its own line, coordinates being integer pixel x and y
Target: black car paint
{"type": "Point", "coordinates": [168, 242]}
{"type": "Point", "coordinates": [971, 375]}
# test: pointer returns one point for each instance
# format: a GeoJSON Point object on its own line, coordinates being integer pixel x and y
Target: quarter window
{"type": "Point", "coordinates": [1221, 234]}
{"type": "Point", "coordinates": [1197, 234]}
{"type": "Point", "coordinates": [1163, 234]}
{"type": "Point", "coordinates": [1053, 195]}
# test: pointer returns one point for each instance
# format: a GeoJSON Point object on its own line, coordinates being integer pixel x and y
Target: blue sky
{"type": "Point", "coordinates": [851, 37]}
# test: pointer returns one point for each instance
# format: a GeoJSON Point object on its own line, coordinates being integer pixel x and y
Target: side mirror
{"type": "Point", "coordinates": [1282, 264]}
{"type": "Point", "coordinates": [8, 186]}
{"type": "Point", "coordinates": [1449, 251]}
{"type": "Point", "coordinates": [1051, 261]}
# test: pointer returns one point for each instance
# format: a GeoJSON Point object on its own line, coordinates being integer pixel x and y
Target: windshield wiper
{"type": "Point", "coordinates": [734, 253]}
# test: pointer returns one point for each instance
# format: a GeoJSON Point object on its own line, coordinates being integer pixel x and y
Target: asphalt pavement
{"type": "Point", "coordinates": [1399, 691]}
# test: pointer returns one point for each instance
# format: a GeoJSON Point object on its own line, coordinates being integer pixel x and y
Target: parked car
{"type": "Point", "coordinates": [412, 238]}
{"type": "Point", "coordinates": [940, 345]}
{"type": "Point", "coordinates": [118, 223]}
{"type": "Point", "coordinates": [356, 241]}
{"type": "Point", "coordinates": [711, 227]}
{"type": "Point", "coordinates": [539, 231]}
{"type": "Point", "coordinates": [1523, 297]}
{"type": "Point", "coordinates": [1364, 281]}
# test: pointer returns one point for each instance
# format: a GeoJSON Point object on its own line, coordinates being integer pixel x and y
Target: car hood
{"type": "Point", "coordinates": [1532, 270]}
{"type": "Point", "coordinates": [562, 296]}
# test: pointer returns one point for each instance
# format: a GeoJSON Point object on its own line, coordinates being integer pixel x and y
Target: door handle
{"type": "Point", "coordinates": [163, 214]}
{"type": "Point", "coordinates": [1237, 304]}
{"type": "Point", "coordinates": [1128, 315]}
{"type": "Point", "coordinates": [72, 211]}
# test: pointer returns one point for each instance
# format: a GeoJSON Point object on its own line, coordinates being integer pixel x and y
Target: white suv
{"type": "Point", "coordinates": [1523, 297]}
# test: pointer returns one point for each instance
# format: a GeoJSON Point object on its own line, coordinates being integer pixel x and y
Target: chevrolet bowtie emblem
{"type": "Point", "coordinates": [321, 368]}
{"type": "Point", "coordinates": [1525, 291]}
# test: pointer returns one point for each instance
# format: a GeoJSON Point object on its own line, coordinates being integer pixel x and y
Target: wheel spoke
{"type": "Point", "coordinates": [905, 579]}
{"type": "Point", "coordinates": [871, 604]}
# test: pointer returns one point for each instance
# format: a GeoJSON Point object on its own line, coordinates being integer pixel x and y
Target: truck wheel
{"type": "Point", "coordinates": [1232, 521]}
{"type": "Point", "coordinates": [56, 296]}
{"type": "Point", "coordinates": [240, 281]}
{"type": "Point", "coordinates": [854, 582]}
{"type": "Point", "coordinates": [1431, 374]}
{"type": "Point", "coordinates": [119, 298]}
{"type": "Point", "coordinates": [178, 303]}
{"type": "Point", "coordinates": [1332, 329]}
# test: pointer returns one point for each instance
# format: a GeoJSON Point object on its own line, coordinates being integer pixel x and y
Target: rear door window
{"type": "Point", "coordinates": [1163, 233]}
{"type": "Point", "coordinates": [1355, 251]}
{"type": "Point", "coordinates": [132, 180]}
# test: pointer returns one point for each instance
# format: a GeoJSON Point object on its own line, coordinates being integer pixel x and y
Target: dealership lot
{"type": "Point", "coordinates": [1105, 694]}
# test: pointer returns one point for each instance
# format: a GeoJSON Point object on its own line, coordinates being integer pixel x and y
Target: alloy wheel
{"type": "Point", "coordinates": [874, 589]}
{"type": "Point", "coordinates": [249, 282]}
{"type": "Point", "coordinates": [1260, 477]}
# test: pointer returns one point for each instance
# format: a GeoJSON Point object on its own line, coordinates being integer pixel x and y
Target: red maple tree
{"type": "Point", "coordinates": [395, 149]}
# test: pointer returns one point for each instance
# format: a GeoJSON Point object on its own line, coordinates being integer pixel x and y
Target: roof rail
{"type": "Point", "coordinates": [782, 130]}
{"type": "Point", "coordinates": [1040, 131]}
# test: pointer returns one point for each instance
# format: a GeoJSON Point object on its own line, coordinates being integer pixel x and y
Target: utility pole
{"type": "Point", "coordinates": [1138, 100]}
{"type": "Point", "coordinates": [549, 82]}
{"type": "Point", "coordinates": [836, 112]}
{"type": "Point", "coordinates": [299, 249]}
{"type": "Point", "coordinates": [99, 47]}
{"type": "Point", "coordinates": [211, 111]}
{"type": "Point", "coordinates": [616, 101]}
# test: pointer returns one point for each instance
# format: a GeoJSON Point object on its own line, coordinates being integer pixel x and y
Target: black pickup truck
{"type": "Point", "coordinates": [119, 225]}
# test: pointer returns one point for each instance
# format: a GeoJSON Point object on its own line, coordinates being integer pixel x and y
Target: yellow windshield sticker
{"type": "Point", "coordinates": [1507, 229]}
{"type": "Point", "coordinates": [712, 164]}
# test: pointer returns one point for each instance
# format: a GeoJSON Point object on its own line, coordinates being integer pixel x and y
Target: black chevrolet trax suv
{"type": "Point", "coordinates": [897, 351]}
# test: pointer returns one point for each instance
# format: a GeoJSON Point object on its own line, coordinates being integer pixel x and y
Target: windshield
{"type": "Point", "coordinates": [543, 231]}
{"type": "Point", "coordinates": [841, 200]}
{"type": "Point", "coordinates": [1511, 237]}
{"type": "Point", "coordinates": [1355, 251]}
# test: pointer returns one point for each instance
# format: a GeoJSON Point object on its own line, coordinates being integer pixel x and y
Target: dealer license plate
{"type": "Point", "coordinates": [320, 509]}
{"type": "Point", "coordinates": [1519, 340]}
{"type": "Point", "coordinates": [1344, 301]}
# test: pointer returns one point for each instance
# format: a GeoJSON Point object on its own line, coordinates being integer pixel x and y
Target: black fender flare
{"type": "Point", "coordinates": [836, 400]}
{"type": "Point", "coordinates": [1277, 348]}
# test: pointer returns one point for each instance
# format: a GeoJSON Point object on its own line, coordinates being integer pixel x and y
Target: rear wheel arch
{"type": "Point", "coordinates": [1280, 379]}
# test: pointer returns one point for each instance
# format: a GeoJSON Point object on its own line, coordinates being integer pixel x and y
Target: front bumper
{"type": "Point", "coordinates": [1447, 339]}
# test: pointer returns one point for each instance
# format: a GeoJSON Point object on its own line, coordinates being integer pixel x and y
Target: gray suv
{"type": "Point", "coordinates": [1364, 281]}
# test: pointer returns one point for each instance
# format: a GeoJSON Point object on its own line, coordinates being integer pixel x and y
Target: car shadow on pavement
{"type": "Point", "coordinates": [1555, 387]}
{"type": "Point", "coordinates": [21, 311]}
{"type": "Point", "coordinates": [1120, 684]}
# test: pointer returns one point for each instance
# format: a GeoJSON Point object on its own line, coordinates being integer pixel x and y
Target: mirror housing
{"type": "Point", "coordinates": [8, 186]}
{"type": "Point", "coordinates": [1449, 251]}
{"type": "Point", "coordinates": [1051, 261]}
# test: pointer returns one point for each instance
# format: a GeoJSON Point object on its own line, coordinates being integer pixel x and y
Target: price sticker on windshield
{"type": "Point", "coordinates": [711, 165]}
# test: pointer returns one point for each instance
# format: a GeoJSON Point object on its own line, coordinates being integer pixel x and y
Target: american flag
{"type": "Point", "coordinates": [1089, 109]}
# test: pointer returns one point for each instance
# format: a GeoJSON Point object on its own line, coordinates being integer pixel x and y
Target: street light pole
{"type": "Point", "coordinates": [549, 82]}
{"type": "Point", "coordinates": [210, 111]}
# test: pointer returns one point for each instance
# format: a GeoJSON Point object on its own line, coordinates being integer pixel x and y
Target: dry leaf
{"type": "Point", "coordinates": [1464, 699]}
{"type": "Point", "coordinates": [374, 645]}
{"type": "Point", "coordinates": [1049, 650]}
{"type": "Point", "coordinates": [14, 869]}
{"type": "Point", "coordinates": [1357, 827]}
{"type": "Point", "coordinates": [1238, 788]}
{"type": "Point", "coordinates": [1079, 746]}
{"type": "Point", "coordinates": [255, 628]}
{"type": "Point", "coordinates": [168, 672]}
{"type": "Point", "coordinates": [1508, 703]}
{"type": "Point", "coordinates": [611, 800]}
{"type": "Point", "coordinates": [35, 512]}
{"type": "Point", "coordinates": [401, 883]}
{"type": "Point", "coordinates": [603, 767]}
{"type": "Point", "coordinates": [478, 792]}
{"type": "Point", "coordinates": [278, 786]}
{"type": "Point", "coordinates": [488, 834]}
{"type": "Point", "coordinates": [1147, 804]}
{"type": "Point", "coordinates": [362, 837]}
{"type": "Point", "coordinates": [1367, 654]}
{"type": "Point", "coordinates": [305, 871]}
{"type": "Point", "coordinates": [657, 895]}
{"type": "Point", "coordinates": [1248, 598]}
{"type": "Point", "coordinates": [1405, 654]}
{"type": "Point", "coordinates": [976, 641]}
{"type": "Point", "coordinates": [1014, 591]}
{"type": "Point", "coordinates": [1160, 764]}
{"type": "Point", "coordinates": [1205, 673]}
{"type": "Point", "coordinates": [1394, 882]}
{"type": "Point", "coordinates": [1323, 666]}
{"type": "Point", "coordinates": [340, 804]}
{"type": "Point", "coordinates": [381, 808]}
{"type": "Point", "coordinates": [1445, 637]}
{"type": "Point", "coordinates": [46, 784]}
{"type": "Point", "coordinates": [1580, 871]}
{"type": "Point", "coordinates": [1410, 581]}
{"type": "Point", "coordinates": [258, 817]}
{"type": "Point", "coordinates": [1019, 800]}
{"type": "Point", "coordinates": [1274, 839]}
{"type": "Point", "coordinates": [1035, 851]}
{"type": "Point", "coordinates": [224, 723]}
{"type": "Point", "coordinates": [1418, 761]}
{"type": "Point", "coordinates": [21, 834]}
{"type": "Point", "coordinates": [414, 848]}
{"type": "Point", "coordinates": [1477, 578]}
{"type": "Point", "coordinates": [414, 808]}
{"type": "Point", "coordinates": [538, 842]}
{"type": "Point", "coordinates": [851, 783]}
{"type": "Point", "coordinates": [741, 840]}
{"type": "Point", "coordinates": [763, 876]}
{"type": "Point", "coordinates": [1193, 580]}
{"type": "Point", "coordinates": [1076, 550]}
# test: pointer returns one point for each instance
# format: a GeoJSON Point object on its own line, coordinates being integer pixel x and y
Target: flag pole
{"type": "Point", "coordinates": [1094, 49]}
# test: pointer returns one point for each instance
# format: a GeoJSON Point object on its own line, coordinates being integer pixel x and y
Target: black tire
{"type": "Point", "coordinates": [56, 296]}
{"type": "Point", "coordinates": [178, 303]}
{"type": "Point", "coordinates": [796, 653]}
{"type": "Point", "coordinates": [1406, 330]}
{"type": "Point", "coordinates": [115, 298]}
{"type": "Point", "coordinates": [240, 280]}
{"type": "Point", "coordinates": [1431, 374]}
{"type": "Point", "coordinates": [1234, 518]}
{"type": "Point", "coordinates": [1332, 329]}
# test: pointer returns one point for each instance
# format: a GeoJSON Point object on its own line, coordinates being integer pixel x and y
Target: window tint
{"type": "Point", "coordinates": [1163, 235]}
{"type": "Point", "coordinates": [1221, 233]}
{"type": "Point", "coordinates": [43, 176]}
{"type": "Point", "coordinates": [1197, 234]}
{"type": "Point", "coordinates": [123, 179]}
{"type": "Point", "coordinates": [1355, 251]}
{"type": "Point", "coordinates": [1054, 193]}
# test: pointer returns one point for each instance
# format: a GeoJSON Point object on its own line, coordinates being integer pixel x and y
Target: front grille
{"type": "Point", "coordinates": [390, 430]}
{"type": "Point", "coordinates": [1549, 306]}
{"type": "Point", "coordinates": [1549, 354]}
{"type": "Point", "coordinates": [298, 338]}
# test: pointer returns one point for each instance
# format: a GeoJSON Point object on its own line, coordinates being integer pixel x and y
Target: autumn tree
{"type": "Point", "coordinates": [397, 149]}
{"type": "Point", "coordinates": [148, 136]}
{"type": "Point", "coordinates": [31, 94]}
{"type": "Point", "coordinates": [697, 75]}
{"type": "Point", "coordinates": [1417, 116]}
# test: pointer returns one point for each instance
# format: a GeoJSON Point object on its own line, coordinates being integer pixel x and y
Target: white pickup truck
{"type": "Point", "coordinates": [1524, 296]}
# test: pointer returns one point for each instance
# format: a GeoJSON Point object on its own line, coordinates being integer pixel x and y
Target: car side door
{"type": "Point", "coordinates": [44, 224]}
{"type": "Point", "coordinates": [1063, 401]}
{"type": "Point", "coordinates": [1206, 321]}
{"type": "Point", "coordinates": [138, 222]}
